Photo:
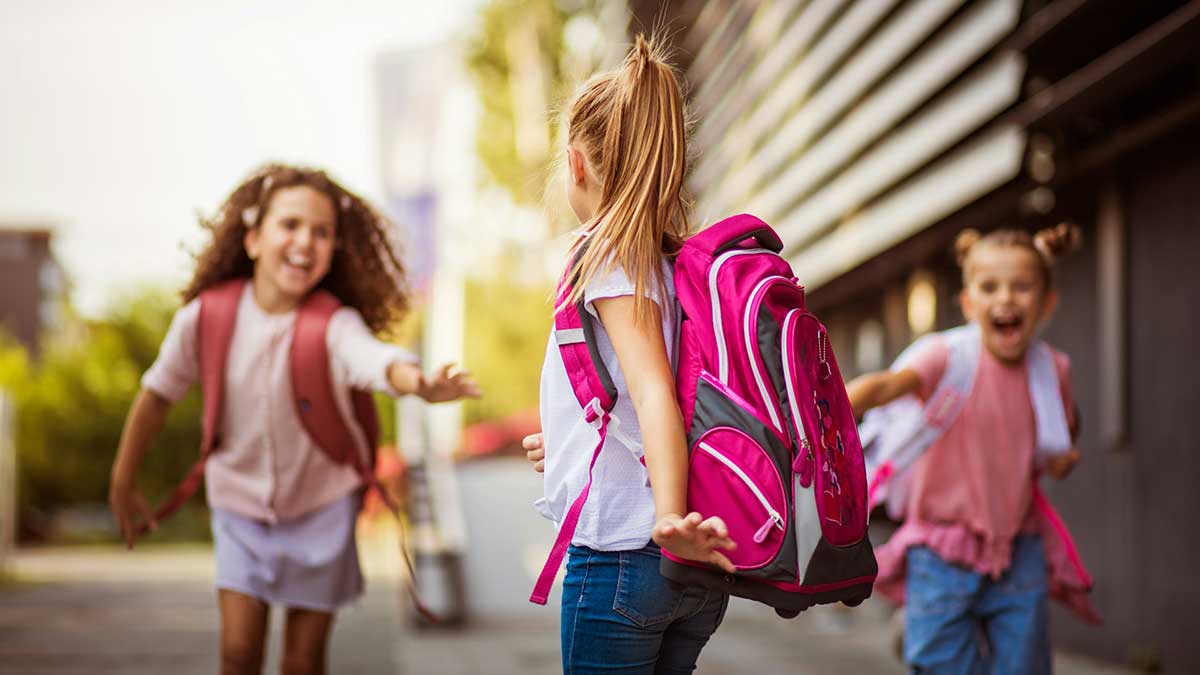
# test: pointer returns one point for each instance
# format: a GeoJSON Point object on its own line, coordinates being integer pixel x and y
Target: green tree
{"type": "Point", "coordinates": [71, 405]}
{"type": "Point", "coordinates": [522, 72]}
{"type": "Point", "coordinates": [505, 343]}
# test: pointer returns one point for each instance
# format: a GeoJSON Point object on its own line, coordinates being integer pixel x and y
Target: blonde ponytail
{"type": "Point", "coordinates": [631, 124]}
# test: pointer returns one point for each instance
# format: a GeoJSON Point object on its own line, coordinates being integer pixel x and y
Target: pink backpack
{"type": "Point", "coordinates": [773, 448]}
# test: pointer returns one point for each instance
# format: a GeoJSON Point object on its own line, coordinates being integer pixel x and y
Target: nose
{"type": "Point", "coordinates": [304, 236]}
{"type": "Point", "coordinates": [1004, 293]}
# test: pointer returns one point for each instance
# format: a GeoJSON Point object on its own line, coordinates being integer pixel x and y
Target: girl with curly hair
{"type": "Point", "coordinates": [283, 509]}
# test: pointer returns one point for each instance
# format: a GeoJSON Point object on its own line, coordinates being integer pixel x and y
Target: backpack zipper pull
{"type": "Point", "coordinates": [775, 520]}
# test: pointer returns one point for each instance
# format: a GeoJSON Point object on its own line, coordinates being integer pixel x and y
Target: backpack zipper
{"type": "Point", "coordinates": [752, 348]}
{"type": "Point", "coordinates": [715, 299]}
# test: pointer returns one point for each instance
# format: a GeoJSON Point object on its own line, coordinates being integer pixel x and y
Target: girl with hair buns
{"type": "Point", "coordinates": [980, 549]}
{"type": "Point", "coordinates": [283, 512]}
{"type": "Point", "coordinates": [626, 161]}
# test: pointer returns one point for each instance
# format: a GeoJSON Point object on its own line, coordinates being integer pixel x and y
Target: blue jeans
{"type": "Point", "coordinates": [958, 621]}
{"type": "Point", "coordinates": [620, 615]}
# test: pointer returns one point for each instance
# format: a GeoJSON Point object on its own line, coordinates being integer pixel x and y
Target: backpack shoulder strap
{"type": "Point", "coordinates": [313, 391]}
{"type": "Point", "coordinates": [215, 326]}
{"type": "Point", "coordinates": [574, 331]}
{"type": "Point", "coordinates": [575, 334]}
{"type": "Point", "coordinates": [1049, 409]}
{"type": "Point", "coordinates": [900, 432]}
{"type": "Point", "coordinates": [214, 332]}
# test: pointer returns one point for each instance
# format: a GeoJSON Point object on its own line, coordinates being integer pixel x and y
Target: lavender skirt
{"type": "Point", "coordinates": [309, 563]}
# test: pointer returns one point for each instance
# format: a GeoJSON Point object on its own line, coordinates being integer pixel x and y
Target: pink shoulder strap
{"type": "Point", "coordinates": [214, 333]}
{"type": "Point", "coordinates": [594, 389]}
{"type": "Point", "coordinates": [312, 385]}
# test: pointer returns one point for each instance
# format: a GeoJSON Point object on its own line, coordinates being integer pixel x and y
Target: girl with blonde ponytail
{"type": "Point", "coordinates": [981, 548]}
{"type": "Point", "coordinates": [626, 162]}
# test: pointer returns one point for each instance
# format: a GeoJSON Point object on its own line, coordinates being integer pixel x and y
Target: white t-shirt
{"type": "Point", "coordinates": [619, 512]}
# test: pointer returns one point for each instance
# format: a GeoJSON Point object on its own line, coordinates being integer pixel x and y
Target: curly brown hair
{"type": "Point", "coordinates": [366, 272]}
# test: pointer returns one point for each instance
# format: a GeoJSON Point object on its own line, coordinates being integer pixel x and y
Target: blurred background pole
{"type": "Point", "coordinates": [8, 481]}
{"type": "Point", "coordinates": [416, 113]}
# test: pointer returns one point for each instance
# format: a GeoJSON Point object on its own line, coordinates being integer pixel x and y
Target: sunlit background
{"type": "Point", "coordinates": [867, 132]}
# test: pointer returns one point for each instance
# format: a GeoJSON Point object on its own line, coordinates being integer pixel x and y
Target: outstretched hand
{"type": "Point", "coordinates": [695, 538]}
{"type": "Point", "coordinates": [448, 383]}
{"type": "Point", "coordinates": [535, 451]}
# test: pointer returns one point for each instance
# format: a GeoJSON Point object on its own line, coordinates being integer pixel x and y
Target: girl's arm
{"type": "Point", "coordinates": [365, 358]}
{"type": "Point", "coordinates": [447, 384]}
{"type": "Point", "coordinates": [643, 359]}
{"type": "Point", "coordinates": [875, 389]}
{"type": "Point", "coordinates": [129, 507]}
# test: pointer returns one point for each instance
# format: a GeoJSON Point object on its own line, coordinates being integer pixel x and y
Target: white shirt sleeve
{"type": "Point", "coordinates": [177, 366]}
{"type": "Point", "coordinates": [361, 358]}
{"type": "Point", "coordinates": [614, 284]}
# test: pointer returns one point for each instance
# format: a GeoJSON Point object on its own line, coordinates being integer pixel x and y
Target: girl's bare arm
{"type": "Point", "coordinates": [875, 389]}
{"type": "Point", "coordinates": [146, 418]}
{"type": "Point", "coordinates": [643, 357]}
{"type": "Point", "coordinates": [447, 383]}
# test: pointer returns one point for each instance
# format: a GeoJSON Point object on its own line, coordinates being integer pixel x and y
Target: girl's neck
{"type": "Point", "coordinates": [269, 299]}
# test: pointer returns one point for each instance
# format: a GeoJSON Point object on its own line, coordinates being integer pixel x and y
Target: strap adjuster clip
{"type": "Point", "coordinates": [593, 412]}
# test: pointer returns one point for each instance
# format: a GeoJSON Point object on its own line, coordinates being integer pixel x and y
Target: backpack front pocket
{"type": "Point", "coordinates": [828, 464]}
{"type": "Point", "coordinates": [732, 476]}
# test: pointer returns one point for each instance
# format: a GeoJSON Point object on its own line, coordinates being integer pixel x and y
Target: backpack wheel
{"type": "Point", "coordinates": [787, 613]}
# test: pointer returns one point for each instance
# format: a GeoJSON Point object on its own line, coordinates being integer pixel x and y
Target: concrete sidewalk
{"type": "Point", "coordinates": [105, 611]}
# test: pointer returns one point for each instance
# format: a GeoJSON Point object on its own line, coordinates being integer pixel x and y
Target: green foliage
{"type": "Point", "coordinates": [71, 406]}
{"type": "Point", "coordinates": [505, 342]}
{"type": "Point", "coordinates": [518, 62]}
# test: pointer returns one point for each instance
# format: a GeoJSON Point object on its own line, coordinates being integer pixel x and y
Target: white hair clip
{"type": "Point", "coordinates": [344, 202]}
{"type": "Point", "coordinates": [267, 181]}
{"type": "Point", "coordinates": [250, 216]}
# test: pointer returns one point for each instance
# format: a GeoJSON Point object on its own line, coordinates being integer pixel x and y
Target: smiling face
{"type": "Point", "coordinates": [1008, 295]}
{"type": "Point", "coordinates": [292, 246]}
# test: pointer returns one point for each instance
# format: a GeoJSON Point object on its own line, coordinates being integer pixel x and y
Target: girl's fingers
{"type": "Point", "coordinates": [147, 513]}
{"type": "Point", "coordinates": [715, 526]}
{"type": "Point", "coordinates": [532, 441]}
{"type": "Point", "coordinates": [540, 466]}
{"type": "Point", "coordinates": [665, 530]}
{"type": "Point", "coordinates": [717, 558]}
{"type": "Point", "coordinates": [536, 454]}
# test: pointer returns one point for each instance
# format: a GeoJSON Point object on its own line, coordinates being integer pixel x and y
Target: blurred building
{"type": "Point", "coordinates": [869, 133]}
{"type": "Point", "coordinates": [31, 285]}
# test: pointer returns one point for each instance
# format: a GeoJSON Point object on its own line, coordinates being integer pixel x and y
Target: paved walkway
{"type": "Point", "coordinates": [103, 611]}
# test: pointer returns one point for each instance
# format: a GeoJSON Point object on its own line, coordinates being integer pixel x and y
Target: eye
{"type": "Point", "coordinates": [988, 286]}
{"type": "Point", "coordinates": [290, 223]}
{"type": "Point", "coordinates": [322, 232]}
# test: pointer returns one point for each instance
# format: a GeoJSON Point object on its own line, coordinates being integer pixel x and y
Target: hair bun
{"type": "Point", "coordinates": [963, 244]}
{"type": "Point", "coordinates": [1055, 242]}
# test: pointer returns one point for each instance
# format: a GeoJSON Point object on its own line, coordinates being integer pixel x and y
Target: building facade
{"type": "Point", "coordinates": [869, 133]}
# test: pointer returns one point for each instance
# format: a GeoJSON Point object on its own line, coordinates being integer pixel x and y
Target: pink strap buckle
{"type": "Point", "coordinates": [593, 412]}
